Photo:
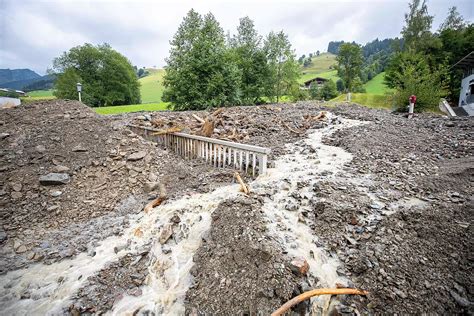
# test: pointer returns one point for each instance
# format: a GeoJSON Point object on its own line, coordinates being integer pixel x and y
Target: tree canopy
{"type": "Point", "coordinates": [250, 59]}
{"type": "Point", "coordinates": [107, 77]}
{"type": "Point", "coordinates": [349, 63]}
{"type": "Point", "coordinates": [284, 70]}
{"type": "Point", "coordinates": [422, 67]}
{"type": "Point", "coordinates": [206, 70]}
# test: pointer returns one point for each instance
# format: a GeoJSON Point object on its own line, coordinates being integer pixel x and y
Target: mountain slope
{"type": "Point", "coordinates": [323, 63]}
{"type": "Point", "coordinates": [10, 75]}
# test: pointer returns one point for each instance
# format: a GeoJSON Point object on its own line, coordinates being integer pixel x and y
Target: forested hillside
{"type": "Point", "coordinates": [9, 75]}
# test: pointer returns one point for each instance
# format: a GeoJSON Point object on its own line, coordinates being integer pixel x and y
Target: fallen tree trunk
{"type": "Point", "coordinates": [304, 296]}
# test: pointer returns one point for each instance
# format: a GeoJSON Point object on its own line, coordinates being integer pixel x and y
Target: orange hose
{"type": "Point", "coordinates": [304, 296]}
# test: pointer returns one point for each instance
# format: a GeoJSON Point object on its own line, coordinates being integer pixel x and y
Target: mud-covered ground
{"type": "Point", "coordinates": [398, 216]}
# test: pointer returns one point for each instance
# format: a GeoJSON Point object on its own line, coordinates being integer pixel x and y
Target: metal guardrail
{"type": "Point", "coordinates": [220, 153]}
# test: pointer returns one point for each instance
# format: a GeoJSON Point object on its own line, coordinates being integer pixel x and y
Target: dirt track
{"type": "Point", "coordinates": [397, 217]}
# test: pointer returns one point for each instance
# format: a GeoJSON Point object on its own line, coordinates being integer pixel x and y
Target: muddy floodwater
{"type": "Point", "coordinates": [51, 286]}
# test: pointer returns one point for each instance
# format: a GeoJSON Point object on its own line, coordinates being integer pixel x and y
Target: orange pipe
{"type": "Point", "coordinates": [304, 296]}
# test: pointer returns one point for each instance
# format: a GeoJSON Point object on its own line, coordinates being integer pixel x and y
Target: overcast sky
{"type": "Point", "coordinates": [33, 32]}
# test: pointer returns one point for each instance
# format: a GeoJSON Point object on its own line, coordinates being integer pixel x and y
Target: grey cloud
{"type": "Point", "coordinates": [32, 33]}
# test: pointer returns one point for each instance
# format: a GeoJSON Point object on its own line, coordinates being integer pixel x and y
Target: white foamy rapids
{"type": "Point", "coordinates": [169, 274]}
{"type": "Point", "coordinates": [304, 165]}
{"type": "Point", "coordinates": [51, 286]}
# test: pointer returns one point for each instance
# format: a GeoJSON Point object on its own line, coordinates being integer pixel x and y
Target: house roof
{"type": "Point", "coordinates": [315, 79]}
{"type": "Point", "coordinates": [466, 62]}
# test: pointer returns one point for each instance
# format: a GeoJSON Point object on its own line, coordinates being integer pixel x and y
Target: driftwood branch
{"type": "Point", "coordinates": [217, 112]}
{"type": "Point", "coordinates": [304, 296]}
{"type": "Point", "coordinates": [156, 201]}
{"type": "Point", "coordinates": [291, 129]}
{"type": "Point", "coordinates": [243, 187]}
{"type": "Point", "coordinates": [200, 120]}
{"type": "Point", "coordinates": [167, 131]}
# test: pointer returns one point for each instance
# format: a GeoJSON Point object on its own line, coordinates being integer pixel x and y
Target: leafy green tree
{"type": "Point", "coordinates": [416, 31]}
{"type": "Point", "coordinates": [340, 85]}
{"type": "Point", "coordinates": [200, 72]}
{"type": "Point", "coordinates": [283, 69]}
{"type": "Point", "coordinates": [251, 61]}
{"type": "Point", "coordinates": [317, 53]}
{"type": "Point", "coordinates": [314, 92]}
{"type": "Point", "coordinates": [454, 21]}
{"type": "Point", "coordinates": [358, 85]}
{"type": "Point", "coordinates": [455, 45]}
{"type": "Point", "coordinates": [107, 77]}
{"type": "Point", "coordinates": [349, 63]}
{"type": "Point", "coordinates": [65, 86]}
{"type": "Point", "coordinates": [410, 74]}
{"type": "Point", "coordinates": [141, 72]}
{"type": "Point", "coordinates": [298, 94]}
{"type": "Point", "coordinates": [328, 90]}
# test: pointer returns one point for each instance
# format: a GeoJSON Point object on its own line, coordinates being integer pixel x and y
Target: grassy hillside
{"type": "Point", "coordinates": [152, 86]}
{"type": "Point", "coordinates": [321, 66]}
{"type": "Point", "coordinates": [375, 96]}
{"type": "Point", "coordinates": [377, 85]}
{"type": "Point", "coordinates": [370, 100]}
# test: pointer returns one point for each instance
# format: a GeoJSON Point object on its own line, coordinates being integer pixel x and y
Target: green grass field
{"type": "Point", "coordinates": [131, 108]}
{"type": "Point", "coordinates": [41, 93]}
{"type": "Point", "coordinates": [152, 86]}
{"type": "Point", "coordinates": [38, 95]}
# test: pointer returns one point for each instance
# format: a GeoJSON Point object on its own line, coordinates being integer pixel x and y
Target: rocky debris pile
{"type": "Point", "coordinates": [268, 126]}
{"type": "Point", "coordinates": [399, 218]}
{"type": "Point", "coordinates": [239, 270]}
{"type": "Point", "coordinates": [398, 215]}
{"type": "Point", "coordinates": [64, 169]}
{"type": "Point", "coordinates": [120, 278]}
